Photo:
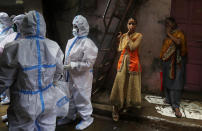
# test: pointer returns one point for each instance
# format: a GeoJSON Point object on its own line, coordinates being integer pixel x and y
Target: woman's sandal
{"type": "Point", "coordinates": [178, 114]}
{"type": "Point", "coordinates": [115, 114]}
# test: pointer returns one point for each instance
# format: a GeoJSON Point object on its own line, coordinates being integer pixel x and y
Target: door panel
{"type": "Point", "coordinates": [180, 10]}
{"type": "Point", "coordinates": [196, 12]}
{"type": "Point", "coordinates": [193, 76]}
{"type": "Point", "coordinates": [185, 30]}
{"type": "Point", "coordinates": [194, 67]}
{"type": "Point", "coordinates": [195, 54]}
{"type": "Point", "coordinates": [188, 14]}
{"type": "Point", "coordinates": [195, 32]}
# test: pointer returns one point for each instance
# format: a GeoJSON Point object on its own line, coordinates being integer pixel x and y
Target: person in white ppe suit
{"type": "Point", "coordinates": [5, 28]}
{"type": "Point", "coordinates": [17, 20]}
{"type": "Point", "coordinates": [15, 34]}
{"type": "Point", "coordinates": [7, 35]}
{"type": "Point", "coordinates": [80, 56]}
{"type": "Point", "coordinates": [28, 67]}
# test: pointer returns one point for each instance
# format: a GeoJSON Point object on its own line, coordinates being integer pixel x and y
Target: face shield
{"type": "Point", "coordinates": [82, 25]}
{"type": "Point", "coordinates": [75, 30]}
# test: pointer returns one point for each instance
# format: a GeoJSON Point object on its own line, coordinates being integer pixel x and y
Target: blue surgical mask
{"type": "Point", "coordinates": [75, 32]}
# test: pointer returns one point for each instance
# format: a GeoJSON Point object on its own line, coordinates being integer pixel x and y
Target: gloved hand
{"type": "Point", "coordinates": [67, 67]}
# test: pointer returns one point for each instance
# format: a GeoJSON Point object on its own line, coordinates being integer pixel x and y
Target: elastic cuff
{"type": "Point", "coordinates": [74, 65]}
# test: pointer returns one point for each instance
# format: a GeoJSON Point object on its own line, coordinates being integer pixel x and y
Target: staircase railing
{"type": "Point", "coordinates": [113, 39]}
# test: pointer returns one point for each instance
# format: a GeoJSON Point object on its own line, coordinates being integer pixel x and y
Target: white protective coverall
{"type": "Point", "coordinates": [9, 38]}
{"type": "Point", "coordinates": [7, 35]}
{"type": "Point", "coordinates": [29, 66]}
{"type": "Point", "coordinates": [17, 20]}
{"type": "Point", "coordinates": [80, 56]}
{"type": "Point", "coordinates": [5, 29]}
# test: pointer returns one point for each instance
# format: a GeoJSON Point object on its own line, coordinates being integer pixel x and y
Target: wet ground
{"type": "Point", "coordinates": [149, 112]}
{"type": "Point", "coordinates": [189, 109]}
{"type": "Point", "coordinates": [146, 118]}
{"type": "Point", "coordinates": [106, 124]}
{"type": "Point", "coordinates": [101, 123]}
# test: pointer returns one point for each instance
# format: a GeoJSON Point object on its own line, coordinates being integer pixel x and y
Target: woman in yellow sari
{"type": "Point", "coordinates": [126, 91]}
{"type": "Point", "coordinates": [173, 55]}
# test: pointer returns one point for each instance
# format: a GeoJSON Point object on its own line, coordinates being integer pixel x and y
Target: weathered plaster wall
{"type": "Point", "coordinates": [150, 16]}
{"type": "Point", "coordinates": [63, 11]}
{"type": "Point", "coordinates": [59, 25]}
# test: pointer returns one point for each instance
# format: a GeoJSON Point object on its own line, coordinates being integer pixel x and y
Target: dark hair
{"type": "Point", "coordinates": [172, 20]}
{"type": "Point", "coordinates": [131, 17]}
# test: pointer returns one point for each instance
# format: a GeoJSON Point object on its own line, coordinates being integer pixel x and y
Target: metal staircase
{"type": "Point", "coordinates": [107, 54]}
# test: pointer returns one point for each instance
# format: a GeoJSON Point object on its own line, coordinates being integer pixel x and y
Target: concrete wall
{"type": "Point", "coordinates": [150, 16]}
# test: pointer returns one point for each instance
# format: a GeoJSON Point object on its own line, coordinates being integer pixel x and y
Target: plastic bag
{"type": "Point", "coordinates": [62, 98]}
